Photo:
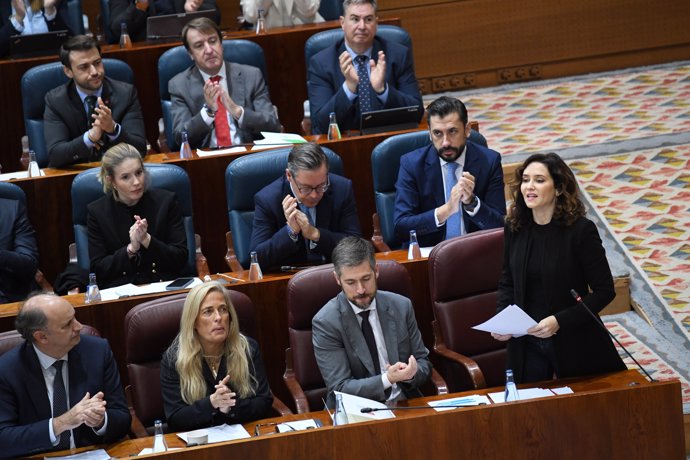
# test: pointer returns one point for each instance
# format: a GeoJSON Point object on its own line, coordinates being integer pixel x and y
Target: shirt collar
{"type": "Point", "coordinates": [460, 160]}
{"type": "Point", "coordinates": [221, 72]}
{"type": "Point", "coordinates": [45, 360]}
{"type": "Point", "coordinates": [82, 94]}
{"type": "Point", "coordinates": [358, 310]}
{"type": "Point", "coordinates": [353, 55]}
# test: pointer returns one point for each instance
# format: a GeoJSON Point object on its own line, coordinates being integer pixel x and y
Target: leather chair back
{"type": "Point", "coordinates": [12, 339]}
{"type": "Point", "coordinates": [86, 188]}
{"type": "Point", "coordinates": [331, 9]}
{"type": "Point", "coordinates": [37, 81]}
{"type": "Point", "coordinates": [150, 328]}
{"type": "Point", "coordinates": [177, 59]}
{"type": "Point", "coordinates": [463, 277]}
{"type": "Point", "coordinates": [307, 292]}
{"type": "Point", "coordinates": [11, 191]}
{"type": "Point", "coordinates": [385, 164]}
{"type": "Point", "coordinates": [245, 177]}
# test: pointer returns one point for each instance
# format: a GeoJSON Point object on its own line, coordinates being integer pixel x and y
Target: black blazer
{"type": "Point", "coordinates": [18, 252]}
{"type": "Point", "coordinates": [577, 260]}
{"type": "Point", "coordinates": [60, 22]}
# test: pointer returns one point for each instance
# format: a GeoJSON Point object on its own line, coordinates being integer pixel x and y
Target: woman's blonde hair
{"type": "Point", "coordinates": [36, 5]}
{"type": "Point", "coordinates": [190, 353]}
{"type": "Point", "coordinates": [113, 158]}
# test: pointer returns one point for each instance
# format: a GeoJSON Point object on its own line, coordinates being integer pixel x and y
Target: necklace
{"type": "Point", "coordinates": [213, 362]}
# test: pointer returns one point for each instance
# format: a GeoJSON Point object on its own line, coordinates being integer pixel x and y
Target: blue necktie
{"type": "Point", "coordinates": [60, 403]}
{"type": "Point", "coordinates": [453, 228]}
{"type": "Point", "coordinates": [364, 85]}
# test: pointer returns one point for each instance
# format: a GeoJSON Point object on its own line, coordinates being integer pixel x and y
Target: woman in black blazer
{"type": "Point", "coordinates": [551, 248]}
{"type": "Point", "coordinates": [136, 234]}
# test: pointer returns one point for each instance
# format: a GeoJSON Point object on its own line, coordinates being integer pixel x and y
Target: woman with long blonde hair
{"type": "Point", "coordinates": [212, 374]}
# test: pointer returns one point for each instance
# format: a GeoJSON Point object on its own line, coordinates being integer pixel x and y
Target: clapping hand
{"type": "Point", "coordinates": [223, 398]}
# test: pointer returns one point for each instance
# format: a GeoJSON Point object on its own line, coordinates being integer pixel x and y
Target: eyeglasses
{"type": "Point", "coordinates": [307, 190]}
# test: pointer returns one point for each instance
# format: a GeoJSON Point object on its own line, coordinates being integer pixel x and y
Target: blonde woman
{"type": "Point", "coordinates": [27, 17]}
{"type": "Point", "coordinates": [212, 374]}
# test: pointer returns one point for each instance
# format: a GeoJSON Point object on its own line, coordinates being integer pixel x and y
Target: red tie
{"type": "Point", "coordinates": [222, 127]}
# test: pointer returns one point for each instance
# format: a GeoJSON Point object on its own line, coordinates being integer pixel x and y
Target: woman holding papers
{"type": "Point", "coordinates": [551, 248]}
{"type": "Point", "coordinates": [136, 234]}
{"type": "Point", "coordinates": [212, 374]}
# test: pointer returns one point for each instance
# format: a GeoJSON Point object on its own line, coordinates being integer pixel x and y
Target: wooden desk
{"type": "Point", "coordinates": [613, 416]}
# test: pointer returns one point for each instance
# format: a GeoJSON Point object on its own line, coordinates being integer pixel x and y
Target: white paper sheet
{"type": "Point", "coordinates": [511, 320]}
{"type": "Point", "coordinates": [17, 175]}
{"type": "Point", "coordinates": [280, 138]}
{"type": "Point", "coordinates": [297, 425]}
{"type": "Point", "coordinates": [473, 400]}
{"type": "Point", "coordinates": [222, 433]}
{"type": "Point", "coordinates": [354, 405]}
{"type": "Point", "coordinates": [531, 393]}
{"type": "Point", "coordinates": [131, 290]}
{"type": "Point", "coordinates": [209, 153]}
{"type": "Point", "coordinates": [98, 454]}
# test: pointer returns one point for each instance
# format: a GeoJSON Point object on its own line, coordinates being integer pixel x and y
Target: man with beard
{"type": "Point", "coordinates": [366, 341]}
{"type": "Point", "coordinates": [450, 187]}
{"type": "Point", "coordinates": [91, 112]}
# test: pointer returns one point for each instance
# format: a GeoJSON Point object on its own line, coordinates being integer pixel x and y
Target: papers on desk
{"type": "Point", "coordinates": [354, 405]}
{"type": "Point", "coordinates": [531, 393]}
{"type": "Point", "coordinates": [473, 400]}
{"type": "Point", "coordinates": [276, 139]}
{"type": "Point", "coordinates": [17, 175]}
{"type": "Point", "coordinates": [98, 454]}
{"type": "Point", "coordinates": [131, 290]}
{"type": "Point", "coordinates": [222, 433]}
{"type": "Point", "coordinates": [298, 425]}
{"type": "Point", "coordinates": [511, 320]}
{"type": "Point", "coordinates": [201, 153]}
{"type": "Point", "coordinates": [149, 450]}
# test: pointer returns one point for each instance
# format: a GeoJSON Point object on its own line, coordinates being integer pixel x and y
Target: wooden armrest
{"type": "Point", "coordinates": [474, 372]}
{"type": "Point", "coordinates": [230, 256]}
{"type": "Point", "coordinates": [43, 282]}
{"type": "Point", "coordinates": [376, 238]}
{"type": "Point", "coordinates": [438, 382]}
{"type": "Point", "coordinates": [136, 428]}
{"type": "Point", "coordinates": [293, 386]}
{"type": "Point", "coordinates": [280, 407]}
{"type": "Point", "coordinates": [201, 262]}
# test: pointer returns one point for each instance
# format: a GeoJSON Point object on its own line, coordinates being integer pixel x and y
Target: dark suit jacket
{"type": "Point", "coordinates": [60, 22]}
{"type": "Point", "coordinates": [201, 414]}
{"type": "Point", "coordinates": [577, 260]}
{"type": "Point", "coordinates": [246, 87]}
{"type": "Point", "coordinates": [108, 225]}
{"type": "Point", "coordinates": [342, 354]}
{"type": "Point", "coordinates": [25, 408]}
{"type": "Point", "coordinates": [65, 122]}
{"type": "Point", "coordinates": [18, 252]}
{"type": "Point", "coordinates": [419, 190]}
{"type": "Point", "coordinates": [325, 84]}
{"type": "Point", "coordinates": [125, 11]}
{"type": "Point", "coordinates": [336, 218]}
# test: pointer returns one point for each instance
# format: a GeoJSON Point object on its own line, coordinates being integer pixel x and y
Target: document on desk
{"type": "Point", "coordinates": [354, 405]}
{"type": "Point", "coordinates": [511, 320]}
{"type": "Point", "coordinates": [472, 400]}
{"type": "Point", "coordinates": [201, 153]}
{"type": "Point", "coordinates": [280, 139]}
{"type": "Point", "coordinates": [131, 290]}
{"type": "Point", "coordinates": [222, 433]}
{"type": "Point", "coordinates": [98, 454]}
{"type": "Point", "coordinates": [531, 393]}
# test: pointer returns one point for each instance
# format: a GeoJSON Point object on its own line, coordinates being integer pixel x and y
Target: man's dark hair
{"type": "Point", "coordinates": [77, 43]}
{"type": "Point", "coordinates": [444, 106]}
{"type": "Point", "coordinates": [352, 251]}
{"type": "Point", "coordinates": [204, 25]}
{"type": "Point", "coordinates": [30, 320]}
{"type": "Point", "coordinates": [347, 3]}
{"type": "Point", "coordinates": [306, 157]}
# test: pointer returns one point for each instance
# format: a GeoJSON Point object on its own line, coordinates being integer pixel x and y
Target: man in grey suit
{"type": "Point", "coordinates": [214, 90]}
{"type": "Point", "coordinates": [366, 341]}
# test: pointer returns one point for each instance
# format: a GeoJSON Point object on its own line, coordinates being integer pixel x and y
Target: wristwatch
{"type": "Point", "coordinates": [470, 207]}
{"type": "Point", "coordinates": [209, 112]}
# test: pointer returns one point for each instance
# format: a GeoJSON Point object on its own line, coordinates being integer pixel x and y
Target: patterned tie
{"type": "Point", "coordinates": [364, 85]}
{"type": "Point", "coordinates": [453, 223]}
{"type": "Point", "coordinates": [222, 126]}
{"type": "Point", "coordinates": [368, 333]}
{"type": "Point", "coordinates": [91, 102]}
{"type": "Point", "coordinates": [60, 403]}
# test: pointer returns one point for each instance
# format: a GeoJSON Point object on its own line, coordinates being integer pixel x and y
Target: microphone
{"type": "Point", "coordinates": [578, 299]}
{"type": "Point", "coordinates": [366, 410]}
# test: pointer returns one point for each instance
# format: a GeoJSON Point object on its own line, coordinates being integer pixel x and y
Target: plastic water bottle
{"type": "Point", "coordinates": [185, 149]}
{"type": "Point", "coordinates": [33, 169]}
{"type": "Point", "coordinates": [159, 444]}
{"type": "Point", "coordinates": [125, 41]}
{"type": "Point", "coordinates": [413, 251]}
{"type": "Point", "coordinates": [93, 294]}
{"type": "Point", "coordinates": [261, 23]}
{"type": "Point", "coordinates": [255, 273]}
{"type": "Point", "coordinates": [333, 129]}
{"type": "Point", "coordinates": [339, 416]}
{"type": "Point", "coordinates": [511, 389]}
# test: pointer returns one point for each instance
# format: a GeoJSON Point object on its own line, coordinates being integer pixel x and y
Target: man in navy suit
{"type": "Point", "coordinates": [450, 187]}
{"type": "Point", "coordinates": [58, 390]}
{"type": "Point", "coordinates": [300, 217]}
{"type": "Point", "coordinates": [18, 252]}
{"type": "Point", "coordinates": [334, 73]}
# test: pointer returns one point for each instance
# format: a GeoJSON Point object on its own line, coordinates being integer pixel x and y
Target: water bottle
{"type": "Point", "coordinates": [125, 41]}
{"type": "Point", "coordinates": [92, 292]}
{"type": "Point", "coordinates": [185, 149]}
{"type": "Point", "coordinates": [255, 273]}
{"type": "Point", "coordinates": [333, 130]}
{"type": "Point", "coordinates": [339, 416]}
{"type": "Point", "coordinates": [33, 169]}
{"type": "Point", "coordinates": [159, 444]}
{"type": "Point", "coordinates": [413, 251]}
{"type": "Point", "coordinates": [511, 389]}
{"type": "Point", "coordinates": [261, 23]}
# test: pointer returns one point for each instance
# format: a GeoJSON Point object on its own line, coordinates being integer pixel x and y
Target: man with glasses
{"type": "Point", "coordinates": [360, 73]}
{"type": "Point", "coordinates": [450, 187]}
{"type": "Point", "coordinates": [300, 217]}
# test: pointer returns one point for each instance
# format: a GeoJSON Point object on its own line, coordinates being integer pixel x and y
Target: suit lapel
{"type": "Point", "coordinates": [353, 332]}
{"type": "Point", "coordinates": [235, 80]}
{"type": "Point", "coordinates": [76, 108]}
{"type": "Point", "coordinates": [35, 383]}
{"type": "Point", "coordinates": [433, 180]}
{"type": "Point", "coordinates": [324, 208]}
{"type": "Point", "coordinates": [77, 378]}
{"type": "Point", "coordinates": [390, 333]}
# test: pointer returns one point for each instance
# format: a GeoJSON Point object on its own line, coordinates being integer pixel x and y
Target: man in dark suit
{"type": "Point", "coordinates": [18, 252]}
{"type": "Point", "coordinates": [300, 217]}
{"type": "Point", "coordinates": [366, 341]}
{"type": "Point", "coordinates": [451, 187]}
{"type": "Point", "coordinates": [135, 13]}
{"type": "Point", "coordinates": [217, 102]}
{"type": "Point", "coordinates": [334, 73]}
{"type": "Point", "coordinates": [54, 387]}
{"type": "Point", "coordinates": [91, 112]}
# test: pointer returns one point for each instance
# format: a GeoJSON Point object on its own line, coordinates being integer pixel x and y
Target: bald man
{"type": "Point", "coordinates": [58, 389]}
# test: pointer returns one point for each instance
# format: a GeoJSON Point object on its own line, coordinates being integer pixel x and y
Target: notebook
{"type": "Point", "coordinates": [170, 25]}
{"type": "Point", "coordinates": [37, 44]}
{"type": "Point", "coordinates": [381, 121]}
